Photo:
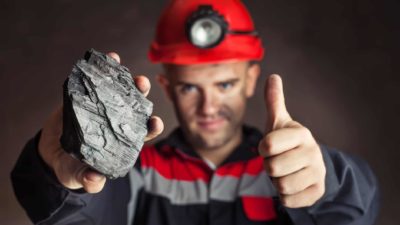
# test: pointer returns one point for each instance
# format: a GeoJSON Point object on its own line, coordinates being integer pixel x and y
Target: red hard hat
{"type": "Point", "coordinates": [172, 45]}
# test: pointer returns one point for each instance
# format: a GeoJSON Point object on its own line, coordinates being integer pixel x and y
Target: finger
{"type": "Point", "coordinates": [93, 181]}
{"type": "Point", "coordinates": [68, 170]}
{"type": "Point", "coordinates": [275, 103]}
{"type": "Point", "coordinates": [304, 198]}
{"type": "Point", "coordinates": [296, 182]}
{"type": "Point", "coordinates": [287, 162]}
{"type": "Point", "coordinates": [156, 126]}
{"type": "Point", "coordinates": [279, 141]}
{"type": "Point", "coordinates": [53, 125]}
{"type": "Point", "coordinates": [143, 84]}
{"type": "Point", "coordinates": [51, 132]}
{"type": "Point", "coordinates": [114, 56]}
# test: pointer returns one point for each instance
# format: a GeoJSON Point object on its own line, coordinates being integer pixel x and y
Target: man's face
{"type": "Point", "coordinates": [210, 100]}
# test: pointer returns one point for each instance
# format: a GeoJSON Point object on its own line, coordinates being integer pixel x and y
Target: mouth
{"type": "Point", "coordinates": [211, 124]}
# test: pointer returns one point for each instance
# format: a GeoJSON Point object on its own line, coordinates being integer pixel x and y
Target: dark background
{"type": "Point", "coordinates": [338, 59]}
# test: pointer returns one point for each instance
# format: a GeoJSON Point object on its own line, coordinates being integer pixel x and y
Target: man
{"type": "Point", "coordinates": [212, 169]}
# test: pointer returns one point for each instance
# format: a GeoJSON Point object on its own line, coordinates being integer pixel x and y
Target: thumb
{"type": "Point", "coordinates": [277, 116]}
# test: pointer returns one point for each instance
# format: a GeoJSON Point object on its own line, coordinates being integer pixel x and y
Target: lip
{"type": "Point", "coordinates": [211, 125]}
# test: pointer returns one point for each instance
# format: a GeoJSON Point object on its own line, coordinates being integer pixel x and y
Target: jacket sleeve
{"type": "Point", "coordinates": [46, 201]}
{"type": "Point", "coordinates": [351, 194]}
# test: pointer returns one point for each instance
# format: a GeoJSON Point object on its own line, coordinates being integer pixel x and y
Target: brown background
{"type": "Point", "coordinates": [338, 59]}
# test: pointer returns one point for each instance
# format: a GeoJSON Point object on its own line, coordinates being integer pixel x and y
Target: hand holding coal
{"type": "Point", "coordinates": [105, 115]}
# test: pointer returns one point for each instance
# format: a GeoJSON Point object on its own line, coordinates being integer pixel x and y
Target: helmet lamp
{"type": "Point", "coordinates": [206, 28]}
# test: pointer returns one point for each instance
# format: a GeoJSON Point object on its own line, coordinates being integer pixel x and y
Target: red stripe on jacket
{"type": "Point", "coordinates": [172, 164]}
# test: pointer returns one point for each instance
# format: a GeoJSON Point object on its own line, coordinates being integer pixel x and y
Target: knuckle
{"type": "Point", "coordinates": [287, 201]}
{"type": "Point", "coordinates": [268, 144]}
{"type": "Point", "coordinates": [284, 200]}
{"type": "Point", "coordinates": [272, 167]}
{"type": "Point", "coordinates": [306, 133]}
{"type": "Point", "coordinates": [283, 186]}
{"type": "Point", "coordinates": [261, 148]}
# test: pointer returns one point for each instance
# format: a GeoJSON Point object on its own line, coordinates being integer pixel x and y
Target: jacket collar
{"type": "Point", "coordinates": [246, 150]}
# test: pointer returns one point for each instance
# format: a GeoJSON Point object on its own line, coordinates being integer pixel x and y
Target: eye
{"type": "Point", "coordinates": [187, 88]}
{"type": "Point", "coordinates": [225, 85]}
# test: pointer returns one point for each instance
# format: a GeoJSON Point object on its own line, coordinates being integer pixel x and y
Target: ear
{"type": "Point", "coordinates": [253, 72]}
{"type": "Point", "coordinates": [164, 83]}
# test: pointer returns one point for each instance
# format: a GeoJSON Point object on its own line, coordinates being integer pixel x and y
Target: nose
{"type": "Point", "coordinates": [208, 103]}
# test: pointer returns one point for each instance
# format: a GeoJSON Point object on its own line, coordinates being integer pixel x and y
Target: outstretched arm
{"type": "Point", "coordinates": [55, 188]}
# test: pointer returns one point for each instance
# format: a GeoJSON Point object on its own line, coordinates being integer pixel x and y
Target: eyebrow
{"type": "Point", "coordinates": [184, 83]}
{"type": "Point", "coordinates": [232, 80]}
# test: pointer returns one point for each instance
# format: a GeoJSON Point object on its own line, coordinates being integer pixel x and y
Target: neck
{"type": "Point", "coordinates": [219, 154]}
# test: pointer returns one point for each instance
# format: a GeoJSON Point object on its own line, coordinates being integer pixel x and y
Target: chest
{"type": "Point", "coordinates": [235, 193]}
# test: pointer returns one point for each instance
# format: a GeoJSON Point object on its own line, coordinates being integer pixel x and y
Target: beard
{"type": "Point", "coordinates": [203, 139]}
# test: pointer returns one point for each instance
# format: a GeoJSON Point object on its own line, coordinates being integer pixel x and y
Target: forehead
{"type": "Point", "coordinates": [206, 72]}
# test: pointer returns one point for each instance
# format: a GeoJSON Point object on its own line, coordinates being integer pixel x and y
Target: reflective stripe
{"type": "Point", "coordinates": [257, 185]}
{"type": "Point", "coordinates": [223, 188]}
{"type": "Point", "coordinates": [179, 192]}
{"type": "Point", "coordinates": [228, 188]}
{"type": "Point", "coordinates": [173, 165]}
{"type": "Point", "coordinates": [136, 183]}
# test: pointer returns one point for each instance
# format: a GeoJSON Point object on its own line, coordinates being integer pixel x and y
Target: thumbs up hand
{"type": "Point", "coordinates": [293, 158]}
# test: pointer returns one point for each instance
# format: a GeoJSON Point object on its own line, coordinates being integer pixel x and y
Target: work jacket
{"type": "Point", "coordinates": [171, 184]}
